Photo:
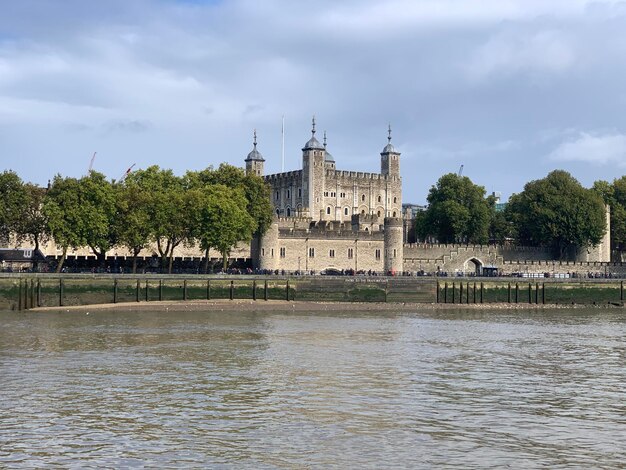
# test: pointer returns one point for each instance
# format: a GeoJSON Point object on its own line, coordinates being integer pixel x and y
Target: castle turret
{"type": "Point", "coordinates": [254, 161]}
{"type": "Point", "coordinates": [390, 168]}
{"type": "Point", "coordinates": [313, 175]}
{"type": "Point", "coordinates": [390, 158]}
{"type": "Point", "coordinates": [265, 249]}
{"type": "Point", "coordinates": [394, 247]}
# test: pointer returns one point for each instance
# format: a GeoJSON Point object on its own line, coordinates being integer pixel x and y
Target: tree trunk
{"type": "Point", "coordinates": [225, 259]}
{"type": "Point", "coordinates": [36, 239]}
{"type": "Point", "coordinates": [206, 261]}
{"type": "Point", "coordinates": [135, 253]}
{"type": "Point", "coordinates": [60, 265]}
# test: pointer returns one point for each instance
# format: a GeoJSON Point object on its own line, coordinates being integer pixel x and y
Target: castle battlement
{"type": "Point", "coordinates": [284, 176]}
{"type": "Point", "coordinates": [357, 175]}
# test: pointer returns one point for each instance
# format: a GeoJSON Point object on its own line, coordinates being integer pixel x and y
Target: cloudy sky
{"type": "Point", "coordinates": [511, 89]}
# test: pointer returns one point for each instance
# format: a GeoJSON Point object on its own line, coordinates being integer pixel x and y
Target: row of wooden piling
{"type": "Point", "coordinates": [29, 292]}
{"type": "Point", "coordinates": [515, 294]}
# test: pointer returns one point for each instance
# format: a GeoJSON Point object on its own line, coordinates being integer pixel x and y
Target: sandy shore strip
{"type": "Point", "coordinates": [282, 306]}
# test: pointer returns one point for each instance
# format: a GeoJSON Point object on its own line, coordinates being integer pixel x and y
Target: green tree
{"type": "Point", "coordinates": [98, 205]}
{"type": "Point", "coordinates": [134, 228]}
{"type": "Point", "coordinates": [65, 215]}
{"type": "Point", "coordinates": [13, 201]}
{"type": "Point", "coordinates": [34, 225]}
{"type": "Point", "coordinates": [457, 213]}
{"type": "Point", "coordinates": [220, 219]}
{"type": "Point", "coordinates": [255, 190]}
{"type": "Point", "coordinates": [167, 209]}
{"type": "Point", "coordinates": [557, 212]}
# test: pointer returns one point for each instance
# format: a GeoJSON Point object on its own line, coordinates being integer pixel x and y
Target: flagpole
{"type": "Point", "coordinates": [283, 146]}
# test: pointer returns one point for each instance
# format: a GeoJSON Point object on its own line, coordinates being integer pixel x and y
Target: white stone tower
{"type": "Point", "coordinates": [254, 161]}
{"type": "Point", "coordinates": [313, 175]}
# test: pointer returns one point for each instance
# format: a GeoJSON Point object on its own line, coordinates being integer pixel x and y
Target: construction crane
{"type": "Point", "coordinates": [91, 163]}
{"type": "Point", "coordinates": [460, 173]}
{"type": "Point", "coordinates": [127, 172]}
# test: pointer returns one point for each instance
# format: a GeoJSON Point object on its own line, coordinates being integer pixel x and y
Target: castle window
{"type": "Point", "coordinates": [328, 211]}
{"type": "Point", "coordinates": [377, 254]}
{"type": "Point", "coordinates": [378, 213]}
{"type": "Point", "coordinates": [395, 200]}
{"type": "Point", "coordinates": [262, 251]}
{"type": "Point", "coordinates": [333, 194]}
{"type": "Point", "coordinates": [277, 195]}
{"type": "Point", "coordinates": [362, 212]}
{"type": "Point", "coordinates": [331, 253]}
{"type": "Point", "coordinates": [288, 212]}
{"type": "Point", "coordinates": [325, 193]}
{"type": "Point", "coordinates": [345, 211]}
{"type": "Point", "coordinates": [282, 252]}
{"type": "Point", "coordinates": [278, 212]}
{"type": "Point", "coordinates": [272, 252]}
{"type": "Point", "coordinates": [350, 253]}
{"type": "Point", "coordinates": [394, 214]}
{"type": "Point", "coordinates": [289, 195]}
{"type": "Point", "coordinates": [299, 192]}
{"type": "Point", "coordinates": [379, 198]}
{"type": "Point", "coordinates": [362, 197]}
{"type": "Point", "coordinates": [394, 253]}
{"type": "Point", "coordinates": [311, 252]}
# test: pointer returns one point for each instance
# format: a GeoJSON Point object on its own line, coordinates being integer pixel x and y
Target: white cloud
{"type": "Point", "coordinates": [534, 53]}
{"type": "Point", "coordinates": [603, 149]}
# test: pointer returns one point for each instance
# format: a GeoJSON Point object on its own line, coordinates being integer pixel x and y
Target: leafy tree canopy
{"type": "Point", "coordinates": [558, 212]}
{"type": "Point", "coordinates": [457, 213]}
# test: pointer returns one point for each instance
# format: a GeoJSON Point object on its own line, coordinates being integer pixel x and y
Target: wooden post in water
{"type": "Point", "coordinates": [482, 290]}
{"type": "Point", "coordinates": [453, 291]}
{"type": "Point", "coordinates": [536, 292]}
{"type": "Point", "coordinates": [254, 290]}
{"type": "Point", "coordinates": [543, 293]}
{"type": "Point", "coordinates": [232, 290]}
{"type": "Point", "coordinates": [437, 293]}
{"type": "Point", "coordinates": [160, 289]}
{"type": "Point", "coordinates": [60, 292]}
{"type": "Point", "coordinates": [287, 289]}
{"type": "Point", "coordinates": [516, 292]}
{"type": "Point", "coordinates": [474, 291]}
{"type": "Point", "coordinates": [38, 292]}
{"type": "Point", "coordinates": [185, 289]}
{"type": "Point", "coordinates": [208, 289]}
{"type": "Point", "coordinates": [530, 293]}
{"type": "Point", "coordinates": [467, 291]}
{"type": "Point", "coordinates": [460, 292]}
{"type": "Point", "coordinates": [19, 294]}
{"type": "Point", "coordinates": [265, 291]}
{"type": "Point", "coordinates": [32, 293]}
{"type": "Point", "coordinates": [621, 291]}
{"type": "Point", "coordinates": [114, 291]}
{"type": "Point", "coordinates": [147, 298]}
{"type": "Point", "coordinates": [137, 289]}
{"type": "Point", "coordinates": [445, 293]}
{"type": "Point", "coordinates": [509, 293]}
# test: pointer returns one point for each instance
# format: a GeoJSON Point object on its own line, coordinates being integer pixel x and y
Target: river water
{"type": "Point", "coordinates": [459, 389]}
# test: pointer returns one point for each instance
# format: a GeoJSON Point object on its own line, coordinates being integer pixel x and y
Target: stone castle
{"type": "Point", "coordinates": [332, 219]}
{"type": "Point", "coordinates": [345, 220]}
